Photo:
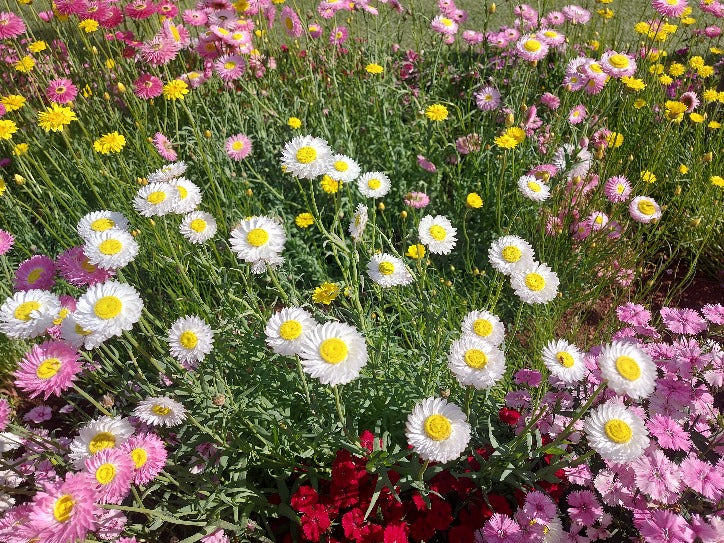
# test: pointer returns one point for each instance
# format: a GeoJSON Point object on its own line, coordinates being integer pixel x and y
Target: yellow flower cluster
{"type": "Point", "coordinates": [109, 143]}
{"type": "Point", "coordinates": [510, 138]}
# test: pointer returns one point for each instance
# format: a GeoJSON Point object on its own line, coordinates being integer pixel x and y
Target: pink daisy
{"type": "Point", "coordinates": [48, 368]}
{"type": "Point", "coordinates": [669, 8]}
{"type": "Point", "coordinates": [111, 472]}
{"type": "Point", "coordinates": [668, 433]}
{"type": "Point", "coordinates": [148, 86]}
{"type": "Point", "coordinates": [444, 25]}
{"type": "Point", "coordinates": [73, 265]}
{"type": "Point", "coordinates": [164, 147]}
{"type": "Point", "coordinates": [148, 455]}
{"type": "Point", "coordinates": [584, 508]}
{"type": "Point", "coordinates": [683, 321]}
{"type": "Point", "coordinates": [238, 147]}
{"type": "Point", "coordinates": [713, 313]}
{"type": "Point", "coordinates": [577, 114]}
{"type": "Point", "coordinates": [551, 101]}
{"type": "Point", "coordinates": [64, 511]}
{"type": "Point", "coordinates": [167, 9]}
{"type": "Point", "coordinates": [194, 17]}
{"type": "Point", "coordinates": [425, 164]}
{"type": "Point", "coordinates": [598, 220]}
{"type": "Point", "coordinates": [291, 22]}
{"type": "Point", "coordinates": [471, 37]}
{"type": "Point", "coordinates": [702, 477]}
{"type": "Point", "coordinates": [691, 100]}
{"type": "Point", "coordinates": [618, 64]}
{"type": "Point", "coordinates": [11, 25]}
{"type": "Point", "coordinates": [111, 524]}
{"type": "Point", "coordinates": [487, 98]}
{"type": "Point", "coordinates": [61, 91]}
{"type": "Point", "coordinates": [315, 30]}
{"type": "Point", "coordinates": [418, 200]}
{"type": "Point", "coordinates": [230, 67]}
{"type": "Point", "coordinates": [94, 9]}
{"type": "Point", "coordinates": [530, 48]}
{"type": "Point", "coordinates": [617, 189]}
{"type": "Point", "coordinates": [576, 14]}
{"type": "Point", "coordinates": [338, 35]}
{"type": "Point", "coordinates": [159, 50]}
{"type": "Point", "coordinates": [644, 209]}
{"type": "Point", "coordinates": [36, 272]}
{"type": "Point", "coordinates": [499, 529]}
{"type": "Point", "coordinates": [555, 18]}
{"type": "Point", "coordinates": [7, 240]}
{"type": "Point", "coordinates": [141, 9]}
{"type": "Point", "coordinates": [551, 37]}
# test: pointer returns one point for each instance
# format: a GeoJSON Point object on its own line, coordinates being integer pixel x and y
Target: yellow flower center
{"type": "Point", "coordinates": [306, 154]}
{"type": "Point", "coordinates": [445, 21]}
{"type": "Point", "coordinates": [482, 327]}
{"type": "Point", "coordinates": [182, 192]}
{"type": "Point", "coordinates": [160, 410]}
{"type": "Point", "coordinates": [511, 253]}
{"type": "Point", "coordinates": [60, 90]}
{"type": "Point", "coordinates": [23, 311]}
{"type": "Point", "coordinates": [595, 67]}
{"type": "Point", "coordinates": [564, 359]}
{"type": "Point", "coordinates": [198, 225]}
{"type": "Point", "coordinates": [34, 275]}
{"type": "Point", "coordinates": [257, 237]}
{"type": "Point", "coordinates": [535, 187]}
{"type": "Point", "coordinates": [646, 207]}
{"type": "Point", "coordinates": [290, 329]}
{"type": "Point", "coordinates": [105, 473]}
{"type": "Point", "coordinates": [63, 508]}
{"type": "Point", "coordinates": [110, 247]}
{"type": "Point", "coordinates": [620, 188]}
{"type": "Point", "coordinates": [108, 307]}
{"type": "Point", "coordinates": [188, 339]}
{"type": "Point", "coordinates": [386, 268]}
{"type": "Point", "coordinates": [156, 197]}
{"type": "Point", "coordinates": [100, 225]}
{"type": "Point", "coordinates": [341, 166]}
{"type": "Point", "coordinates": [374, 184]}
{"type": "Point", "coordinates": [531, 46]}
{"type": "Point", "coordinates": [48, 368]}
{"type": "Point", "coordinates": [628, 368]}
{"type": "Point", "coordinates": [618, 61]}
{"type": "Point", "coordinates": [102, 440]}
{"type": "Point", "coordinates": [62, 314]}
{"type": "Point", "coordinates": [230, 65]}
{"type": "Point", "coordinates": [550, 34]}
{"type": "Point", "coordinates": [476, 359]}
{"type": "Point", "coordinates": [333, 350]}
{"type": "Point", "coordinates": [437, 232]}
{"type": "Point", "coordinates": [672, 2]}
{"type": "Point", "coordinates": [289, 23]}
{"type": "Point", "coordinates": [139, 457]}
{"type": "Point", "coordinates": [618, 431]}
{"type": "Point", "coordinates": [438, 427]}
{"type": "Point", "coordinates": [535, 281]}
{"type": "Point", "coordinates": [237, 145]}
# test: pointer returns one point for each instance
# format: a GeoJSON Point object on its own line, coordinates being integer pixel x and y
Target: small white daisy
{"type": "Point", "coordinates": [437, 233]}
{"type": "Point", "coordinates": [77, 336]}
{"type": "Point", "coordinates": [110, 249]}
{"type": "Point", "coordinates": [160, 411]}
{"type": "Point", "coordinates": [358, 223]}
{"type": "Point", "coordinates": [258, 238]}
{"type": "Point", "coordinates": [108, 308]}
{"type": "Point", "coordinates": [535, 283]}
{"type": "Point", "coordinates": [188, 197]}
{"type": "Point", "coordinates": [167, 172]}
{"type": "Point", "coordinates": [509, 253]}
{"type": "Point", "coordinates": [155, 199]}
{"type": "Point", "coordinates": [28, 313]}
{"type": "Point", "coordinates": [306, 157]}
{"type": "Point", "coordinates": [198, 227]}
{"type": "Point", "coordinates": [616, 433]}
{"type": "Point", "coordinates": [628, 369]}
{"type": "Point", "coordinates": [103, 433]}
{"type": "Point", "coordinates": [484, 325]}
{"type": "Point", "coordinates": [334, 353]}
{"type": "Point", "coordinates": [476, 362]}
{"type": "Point", "coordinates": [533, 188]}
{"type": "Point", "coordinates": [564, 360]}
{"type": "Point", "coordinates": [571, 161]}
{"type": "Point", "coordinates": [374, 184]}
{"type": "Point", "coordinates": [190, 339]}
{"type": "Point", "coordinates": [388, 271]}
{"type": "Point", "coordinates": [100, 221]}
{"type": "Point", "coordinates": [437, 430]}
{"type": "Point", "coordinates": [343, 169]}
{"type": "Point", "coordinates": [286, 329]}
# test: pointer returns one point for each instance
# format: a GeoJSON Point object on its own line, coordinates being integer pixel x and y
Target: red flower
{"type": "Point", "coordinates": [367, 440]}
{"type": "Point", "coordinates": [352, 523]}
{"type": "Point", "coordinates": [396, 533]}
{"type": "Point", "coordinates": [315, 521]}
{"type": "Point", "coordinates": [304, 498]}
{"type": "Point", "coordinates": [508, 416]}
{"type": "Point", "coordinates": [461, 534]}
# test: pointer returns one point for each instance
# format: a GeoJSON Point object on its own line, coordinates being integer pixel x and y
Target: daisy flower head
{"type": "Point", "coordinates": [37, 272]}
{"type": "Point", "coordinates": [75, 268]}
{"type": "Point", "coordinates": [164, 147]}
{"type": "Point", "coordinates": [578, 114]}
{"type": "Point", "coordinates": [286, 329]}
{"type": "Point", "coordinates": [55, 118]}
{"type": "Point", "coordinates": [616, 433]}
{"type": "Point", "coordinates": [530, 48]}
{"type": "Point", "coordinates": [28, 313]}
{"type": "Point", "coordinates": [374, 184]}
{"type": "Point", "coordinates": [571, 161]}
{"type": "Point", "coordinates": [188, 196]}
{"type": "Point", "coordinates": [11, 26]}
{"type": "Point", "coordinates": [437, 234]}
{"type": "Point", "coordinates": [111, 249]}
{"type": "Point", "coordinates": [155, 199]}
{"type": "Point", "coordinates": [238, 147]}
{"type": "Point", "coordinates": [198, 227]}
{"type": "Point", "coordinates": [148, 455]}
{"type": "Point", "coordinates": [444, 25]}
{"type": "Point", "coordinates": [258, 238]}
{"type": "Point", "coordinates": [77, 336]}
{"type": "Point", "coordinates": [690, 100]}
{"type": "Point", "coordinates": [47, 369]}
{"type": "Point", "coordinates": [306, 157]}
{"type": "Point", "coordinates": [510, 253]}
{"type": "Point", "coordinates": [436, 112]}
{"type": "Point", "coordinates": [535, 283]}
{"type": "Point", "coordinates": [110, 471]}
{"type": "Point", "coordinates": [160, 411]}
{"type": "Point", "coordinates": [175, 89]}
{"type": "Point", "coordinates": [168, 172]}
{"type": "Point", "coordinates": [670, 8]}
{"type": "Point", "coordinates": [61, 91]}
{"type": "Point", "coordinates": [485, 326]}
{"type": "Point", "coordinates": [100, 221]}
{"type": "Point", "coordinates": [618, 64]}
{"type": "Point", "coordinates": [147, 87]}
{"type": "Point", "coordinates": [343, 169]}
{"type": "Point", "coordinates": [338, 35]}
{"type": "Point", "coordinates": [334, 353]}
{"type": "Point", "coordinates": [564, 360]}
{"type": "Point", "coordinates": [113, 142]}
{"type": "Point", "coordinates": [230, 67]}
{"type": "Point", "coordinates": [292, 23]}
{"type": "Point", "coordinates": [109, 308]}
{"type": "Point", "coordinates": [7, 240]}
{"type": "Point", "coordinates": [388, 271]}
{"type": "Point", "coordinates": [190, 339]}
{"type": "Point", "coordinates": [533, 188]}
{"type": "Point", "coordinates": [358, 222]}
{"type": "Point", "coordinates": [97, 435]}
{"type": "Point", "coordinates": [644, 210]}
{"type": "Point", "coordinates": [551, 37]}
{"type": "Point", "coordinates": [617, 189]}
{"type": "Point", "coordinates": [476, 362]}
{"type": "Point", "coordinates": [628, 369]}
{"type": "Point", "coordinates": [437, 430]}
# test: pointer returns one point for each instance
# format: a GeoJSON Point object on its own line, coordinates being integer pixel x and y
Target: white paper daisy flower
{"type": "Point", "coordinates": [616, 433]}
{"type": "Point", "coordinates": [572, 161]}
{"type": "Point", "coordinates": [160, 411]}
{"type": "Point", "coordinates": [374, 184]}
{"type": "Point", "coordinates": [286, 330]}
{"type": "Point", "coordinates": [437, 233]}
{"type": "Point", "coordinates": [628, 369]}
{"type": "Point", "coordinates": [28, 313]}
{"type": "Point", "coordinates": [110, 249]}
{"type": "Point", "coordinates": [535, 284]}
{"type": "Point", "coordinates": [109, 308]}
{"type": "Point", "coordinates": [343, 169]}
{"type": "Point", "coordinates": [167, 172]}
{"type": "Point", "coordinates": [306, 157]}
{"type": "Point", "coordinates": [73, 333]}
{"type": "Point", "coordinates": [155, 199]}
{"type": "Point", "coordinates": [198, 227]}
{"type": "Point", "coordinates": [476, 362]}
{"type": "Point", "coordinates": [437, 430]}
{"type": "Point", "coordinates": [358, 223]}
{"type": "Point", "coordinates": [101, 221]}
{"type": "Point", "coordinates": [188, 197]}
{"type": "Point", "coordinates": [258, 238]}
{"type": "Point", "coordinates": [334, 353]}
{"type": "Point", "coordinates": [509, 253]}
{"type": "Point", "coordinates": [388, 271]}
{"type": "Point", "coordinates": [190, 339]}
{"type": "Point", "coordinates": [564, 360]}
{"type": "Point", "coordinates": [484, 325]}
{"type": "Point", "coordinates": [97, 435]}
{"type": "Point", "coordinates": [533, 188]}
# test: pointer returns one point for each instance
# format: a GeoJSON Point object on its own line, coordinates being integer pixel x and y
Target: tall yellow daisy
{"type": "Point", "coordinates": [7, 129]}
{"type": "Point", "coordinates": [109, 143]}
{"type": "Point", "coordinates": [56, 118]}
{"type": "Point", "coordinates": [175, 90]}
{"type": "Point", "coordinates": [436, 112]}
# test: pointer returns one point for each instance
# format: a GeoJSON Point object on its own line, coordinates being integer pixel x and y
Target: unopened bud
{"type": "Point", "coordinates": [491, 8]}
{"type": "Point", "coordinates": [207, 133]}
{"type": "Point", "coordinates": [218, 400]}
{"type": "Point", "coordinates": [403, 214]}
{"type": "Point", "coordinates": [677, 190]}
{"type": "Point", "coordinates": [381, 206]}
{"type": "Point", "coordinates": [249, 192]}
{"type": "Point", "coordinates": [121, 88]}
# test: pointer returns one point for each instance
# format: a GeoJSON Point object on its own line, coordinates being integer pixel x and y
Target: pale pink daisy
{"type": "Point", "coordinates": [577, 114]}
{"type": "Point", "coordinates": [617, 189]}
{"type": "Point", "coordinates": [230, 67]}
{"type": "Point", "coordinates": [194, 17]}
{"type": "Point", "coordinates": [713, 313]}
{"type": "Point", "coordinates": [617, 64]}
{"type": "Point", "coordinates": [47, 369]}
{"type": "Point", "coordinates": [644, 209]}
{"type": "Point", "coordinates": [551, 101]}
{"type": "Point", "coordinates": [61, 91]}
{"type": "Point", "coordinates": [338, 35]}
{"type": "Point", "coordinates": [75, 268]}
{"type": "Point", "coordinates": [444, 25]}
{"type": "Point", "coordinates": [110, 471]}
{"type": "Point", "coordinates": [148, 86]}
{"type": "Point", "coordinates": [551, 37]}
{"type": "Point", "coordinates": [238, 147]}
{"type": "Point", "coordinates": [164, 147]}
{"type": "Point", "coordinates": [418, 200]}
{"type": "Point", "coordinates": [36, 272]}
{"type": "Point", "coordinates": [159, 51]}
{"type": "Point", "coordinates": [148, 455]}
{"type": "Point", "coordinates": [530, 48]}
{"type": "Point", "coordinates": [291, 22]}
{"type": "Point", "coordinates": [576, 14]}
{"type": "Point", "coordinates": [691, 100]}
{"type": "Point", "coordinates": [668, 433]}
{"type": "Point", "coordinates": [683, 321]}
{"type": "Point", "coordinates": [487, 98]}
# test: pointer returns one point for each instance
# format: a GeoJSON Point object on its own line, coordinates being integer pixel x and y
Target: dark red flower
{"type": "Point", "coordinates": [315, 521]}
{"type": "Point", "coordinates": [461, 534]}
{"type": "Point", "coordinates": [304, 498]}
{"type": "Point", "coordinates": [508, 416]}
{"type": "Point", "coordinates": [396, 533]}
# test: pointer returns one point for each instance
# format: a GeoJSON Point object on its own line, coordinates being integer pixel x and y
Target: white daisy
{"type": "Point", "coordinates": [509, 253]}
{"type": "Point", "coordinates": [484, 325]}
{"type": "Point", "coordinates": [77, 336]}
{"type": "Point", "coordinates": [343, 169]}
{"type": "Point", "coordinates": [286, 329]}
{"type": "Point", "coordinates": [167, 172]}
{"type": "Point", "coordinates": [571, 161]}
{"type": "Point", "coordinates": [160, 411]}
{"type": "Point", "coordinates": [188, 197]}
{"type": "Point", "coordinates": [533, 188]}
{"type": "Point", "coordinates": [190, 339]}
{"type": "Point", "coordinates": [437, 430]}
{"type": "Point", "coordinates": [374, 184]}
{"type": "Point", "coordinates": [535, 283]}
{"type": "Point", "coordinates": [628, 369]}
{"type": "Point", "coordinates": [110, 249]}
{"type": "Point", "coordinates": [155, 199]}
{"type": "Point", "coordinates": [306, 157]}
{"type": "Point", "coordinates": [28, 313]}
{"type": "Point", "coordinates": [437, 233]}
{"type": "Point", "coordinates": [616, 433]}
{"type": "Point", "coordinates": [564, 360]}
{"type": "Point", "coordinates": [100, 221]}
{"type": "Point", "coordinates": [258, 238]}
{"type": "Point", "coordinates": [358, 223]}
{"type": "Point", "coordinates": [388, 271]}
{"type": "Point", "coordinates": [334, 353]}
{"type": "Point", "coordinates": [108, 308]}
{"type": "Point", "coordinates": [476, 362]}
{"type": "Point", "coordinates": [103, 433]}
{"type": "Point", "coordinates": [198, 227]}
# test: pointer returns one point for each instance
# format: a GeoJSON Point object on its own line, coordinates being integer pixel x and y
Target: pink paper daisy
{"type": "Point", "coordinates": [338, 35]}
{"type": "Point", "coordinates": [444, 25]}
{"type": "Point", "coordinates": [713, 313]}
{"type": "Point", "coordinates": [669, 8]}
{"type": "Point", "coordinates": [7, 240]}
{"type": "Point", "coordinates": [576, 14]}
{"type": "Point", "coordinates": [487, 98]}
{"type": "Point", "coordinates": [73, 265]}
{"type": "Point", "coordinates": [238, 147]}
{"type": "Point", "coordinates": [618, 64]}
{"type": "Point", "coordinates": [61, 91]}
{"type": "Point", "coordinates": [691, 100]}
{"type": "Point", "coordinates": [164, 147]}
{"type": "Point", "coordinates": [11, 26]}
{"type": "Point", "coordinates": [141, 9]}
{"type": "Point", "coordinates": [160, 50]}
{"type": "Point", "coordinates": [418, 200]}
{"type": "Point", "coordinates": [617, 189]}
{"type": "Point", "coordinates": [111, 472]}
{"type": "Point", "coordinates": [148, 86]}
{"type": "Point", "coordinates": [49, 368]}
{"type": "Point", "coordinates": [425, 164]}
{"type": "Point", "coordinates": [577, 114]}
{"type": "Point", "coordinates": [683, 321]}
{"type": "Point", "coordinates": [148, 455]}
{"type": "Point", "coordinates": [644, 209]}
{"type": "Point", "coordinates": [167, 9]}
{"type": "Point", "coordinates": [36, 272]}
{"type": "Point", "coordinates": [194, 17]}
{"type": "Point", "coordinates": [530, 48]}
{"type": "Point", "coordinates": [230, 67]}
{"type": "Point", "coordinates": [551, 101]}
{"type": "Point", "coordinates": [291, 22]}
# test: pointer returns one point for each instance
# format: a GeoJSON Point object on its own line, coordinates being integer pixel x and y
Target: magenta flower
{"type": "Point", "coordinates": [7, 240]}
{"type": "Point", "coordinates": [73, 265]}
{"type": "Point", "coordinates": [164, 147]}
{"type": "Point", "coordinates": [633, 314]}
{"type": "Point", "coordinates": [668, 433]}
{"type": "Point", "coordinates": [669, 8]}
{"type": "Point", "coordinates": [36, 272]}
{"type": "Point", "coordinates": [291, 22]}
{"type": "Point", "coordinates": [425, 164]}
{"type": "Point", "coordinates": [39, 414]}
{"type": "Point", "coordinates": [111, 472]}
{"type": "Point", "coordinates": [238, 147]}
{"type": "Point", "coordinates": [660, 526]}
{"type": "Point", "coordinates": [338, 35]}
{"type": "Point", "coordinates": [141, 9]}
{"type": "Point", "coordinates": [584, 508]}
{"type": "Point", "coordinates": [230, 67]}
{"type": "Point", "coordinates": [683, 321]}
{"type": "Point", "coordinates": [539, 506]}
{"type": "Point", "coordinates": [5, 412]}
{"type": "Point", "coordinates": [577, 114]}
{"type": "Point", "coordinates": [529, 377]}
{"type": "Point", "coordinates": [47, 369]}
{"type": "Point", "coordinates": [11, 26]}
{"type": "Point", "coordinates": [61, 91]}
{"type": "Point", "coordinates": [217, 536]}
{"type": "Point", "coordinates": [148, 455]}
{"type": "Point", "coordinates": [167, 9]}
{"type": "Point", "coordinates": [499, 529]}
{"type": "Point", "coordinates": [702, 477]}
{"type": "Point", "coordinates": [148, 86]}
{"type": "Point", "coordinates": [617, 189]}
{"type": "Point", "coordinates": [160, 50]}
{"type": "Point", "coordinates": [551, 101]}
